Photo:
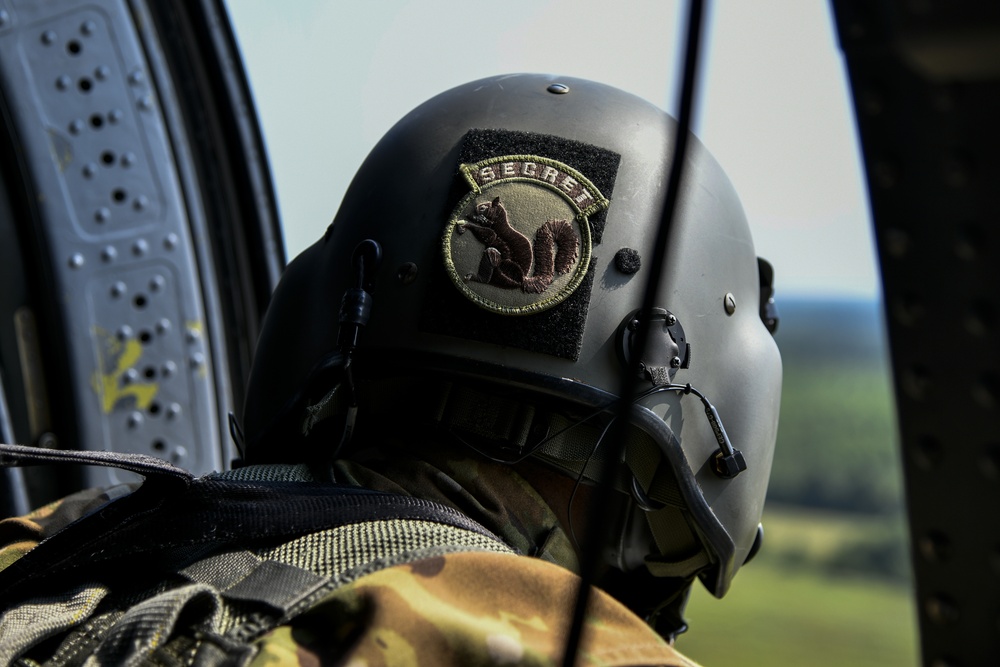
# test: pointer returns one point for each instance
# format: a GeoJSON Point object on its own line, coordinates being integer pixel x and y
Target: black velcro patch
{"type": "Point", "coordinates": [600, 165]}
{"type": "Point", "coordinates": [556, 330]}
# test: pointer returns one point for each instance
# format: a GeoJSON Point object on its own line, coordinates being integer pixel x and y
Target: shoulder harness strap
{"type": "Point", "coordinates": [241, 556]}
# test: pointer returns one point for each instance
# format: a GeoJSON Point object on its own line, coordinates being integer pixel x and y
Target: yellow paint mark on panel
{"type": "Point", "coordinates": [115, 359]}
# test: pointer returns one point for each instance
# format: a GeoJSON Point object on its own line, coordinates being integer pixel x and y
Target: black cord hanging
{"type": "Point", "coordinates": [590, 558]}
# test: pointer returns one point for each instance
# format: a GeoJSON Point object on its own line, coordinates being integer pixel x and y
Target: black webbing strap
{"type": "Point", "coordinates": [173, 520]}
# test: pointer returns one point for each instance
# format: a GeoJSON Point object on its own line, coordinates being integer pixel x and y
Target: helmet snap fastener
{"type": "Point", "coordinates": [730, 302]}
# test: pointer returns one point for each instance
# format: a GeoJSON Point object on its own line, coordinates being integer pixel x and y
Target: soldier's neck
{"type": "Point", "coordinates": [493, 494]}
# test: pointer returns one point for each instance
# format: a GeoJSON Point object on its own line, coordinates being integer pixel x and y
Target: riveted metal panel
{"type": "Point", "coordinates": [87, 120]}
{"type": "Point", "coordinates": [925, 78]}
{"type": "Point", "coordinates": [149, 235]}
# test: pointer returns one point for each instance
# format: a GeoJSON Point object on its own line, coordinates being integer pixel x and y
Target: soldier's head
{"type": "Point", "coordinates": [483, 277]}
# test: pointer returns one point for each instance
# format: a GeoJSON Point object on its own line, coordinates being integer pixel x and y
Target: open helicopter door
{"type": "Point", "coordinates": [139, 240]}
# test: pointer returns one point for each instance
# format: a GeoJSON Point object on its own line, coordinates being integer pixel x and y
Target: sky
{"type": "Point", "coordinates": [329, 78]}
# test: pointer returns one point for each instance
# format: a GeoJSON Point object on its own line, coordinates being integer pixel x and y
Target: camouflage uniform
{"type": "Point", "coordinates": [465, 609]}
{"type": "Point", "coordinates": [444, 599]}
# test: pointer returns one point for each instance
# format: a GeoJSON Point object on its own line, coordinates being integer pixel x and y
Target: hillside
{"type": "Point", "coordinates": [837, 443]}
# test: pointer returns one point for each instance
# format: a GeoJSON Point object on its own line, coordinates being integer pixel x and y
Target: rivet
{"type": "Point", "coordinates": [118, 289]}
{"type": "Point", "coordinates": [135, 420]}
{"type": "Point", "coordinates": [174, 410]}
{"type": "Point", "coordinates": [115, 116]}
{"type": "Point", "coordinates": [48, 440]}
{"type": "Point", "coordinates": [941, 610]}
{"type": "Point", "coordinates": [140, 247]}
{"type": "Point", "coordinates": [885, 174]}
{"type": "Point", "coordinates": [558, 88]}
{"type": "Point", "coordinates": [179, 454]}
{"type": "Point", "coordinates": [192, 334]}
{"type": "Point", "coordinates": [140, 203]}
{"type": "Point", "coordinates": [102, 72]}
{"type": "Point", "coordinates": [124, 332]}
{"type": "Point", "coordinates": [156, 283]}
{"type": "Point", "coordinates": [89, 170]}
{"type": "Point", "coordinates": [934, 546]}
{"type": "Point", "coordinates": [871, 102]}
{"type": "Point", "coordinates": [128, 159]}
{"type": "Point", "coordinates": [970, 241]}
{"type": "Point", "coordinates": [928, 453]}
{"type": "Point", "coordinates": [102, 214]}
{"type": "Point", "coordinates": [197, 360]}
{"type": "Point", "coordinates": [146, 102]}
{"type": "Point", "coordinates": [163, 326]}
{"type": "Point", "coordinates": [914, 382]}
{"type": "Point", "coordinates": [407, 273]}
{"type": "Point", "coordinates": [171, 241]}
{"type": "Point", "coordinates": [136, 77]}
{"type": "Point", "coordinates": [48, 37]}
{"type": "Point", "coordinates": [943, 662]}
{"type": "Point", "coordinates": [989, 462]}
{"type": "Point", "coordinates": [63, 82]}
{"type": "Point", "coordinates": [994, 559]}
{"type": "Point", "coordinates": [958, 172]}
{"type": "Point", "coordinates": [980, 318]}
{"type": "Point", "coordinates": [168, 369]}
{"type": "Point", "coordinates": [4, 18]}
{"type": "Point", "coordinates": [88, 27]}
{"type": "Point", "coordinates": [109, 253]}
{"type": "Point", "coordinates": [76, 260]}
{"type": "Point", "coordinates": [76, 127]}
{"type": "Point", "coordinates": [907, 310]}
{"type": "Point", "coordinates": [130, 376]}
{"type": "Point", "coordinates": [730, 302]}
{"type": "Point", "coordinates": [896, 242]}
{"type": "Point", "coordinates": [986, 391]}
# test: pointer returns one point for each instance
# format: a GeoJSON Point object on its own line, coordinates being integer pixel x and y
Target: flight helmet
{"type": "Point", "coordinates": [485, 273]}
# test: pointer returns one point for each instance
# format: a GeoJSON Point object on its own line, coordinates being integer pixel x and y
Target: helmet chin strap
{"type": "Point", "coordinates": [511, 428]}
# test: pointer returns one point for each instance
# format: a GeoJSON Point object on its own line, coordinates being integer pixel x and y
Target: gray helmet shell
{"type": "Point", "coordinates": [403, 196]}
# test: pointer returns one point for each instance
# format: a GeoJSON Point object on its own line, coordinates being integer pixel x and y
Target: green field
{"type": "Point", "coordinates": [831, 585]}
{"type": "Point", "coordinates": [837, 443]}
{"type": "Point", "coordinates": [796, 612]}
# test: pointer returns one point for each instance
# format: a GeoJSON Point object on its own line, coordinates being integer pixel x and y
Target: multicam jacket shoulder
{"type": "Point", "coordinates": [18, 535]}
{"type": "Point", "coordinates": [459, 607]}
{"type": "Point", "coordinates": [466, 608]}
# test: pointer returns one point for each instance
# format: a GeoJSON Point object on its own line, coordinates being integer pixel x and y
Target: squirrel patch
{"type": "Point", "coordinates": [507, 259]}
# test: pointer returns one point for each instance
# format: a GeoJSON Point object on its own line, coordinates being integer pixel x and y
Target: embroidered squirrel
{"type": "Point", "coordinates": [506, 261]}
